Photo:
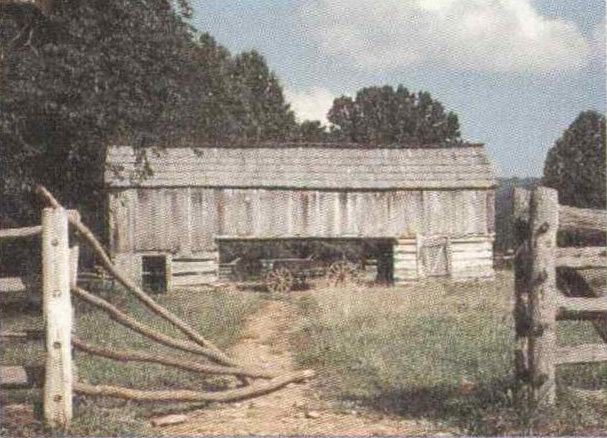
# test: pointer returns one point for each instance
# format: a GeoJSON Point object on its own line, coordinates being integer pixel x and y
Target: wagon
{"type": "Point", "coordinates": [282, 274]}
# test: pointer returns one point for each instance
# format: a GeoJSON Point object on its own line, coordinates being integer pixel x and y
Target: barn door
{"type": "Point", "coordinates": [434, 256]}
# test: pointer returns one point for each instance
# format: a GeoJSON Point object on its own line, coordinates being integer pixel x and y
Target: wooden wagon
{"type": "Point", "coordinates": [282, 274]}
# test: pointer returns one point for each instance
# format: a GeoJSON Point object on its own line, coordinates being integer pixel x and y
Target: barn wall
{"type": "Point", "coordinates": [186, 221]}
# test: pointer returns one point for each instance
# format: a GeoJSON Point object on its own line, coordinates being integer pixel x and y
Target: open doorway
{"type": "Point", "coordinates": [154, 273]}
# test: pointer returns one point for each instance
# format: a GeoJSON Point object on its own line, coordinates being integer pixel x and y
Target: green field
{"type": "Point", "coordinates": [441, 351]}
{"type": "Point", "coordinates": [437, 351]}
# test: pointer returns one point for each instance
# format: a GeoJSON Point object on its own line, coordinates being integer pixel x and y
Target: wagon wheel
{"type": "Point", "coordinates": [279, 280]}
{"type": "Point", "coordinates": [342, 272]}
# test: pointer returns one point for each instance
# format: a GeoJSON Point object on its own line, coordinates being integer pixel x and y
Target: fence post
{"type": "Point", "coordinates": [543, 294]}
{"type": "Point", "coordinates": [520, 233]}
{"type": "Point", "coordinates": [56, 277]}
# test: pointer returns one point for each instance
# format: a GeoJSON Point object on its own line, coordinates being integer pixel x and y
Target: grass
{"type": "Point", "coordinates": [217, 314]}
{"type": "Point", "coordinates": [440, 351]}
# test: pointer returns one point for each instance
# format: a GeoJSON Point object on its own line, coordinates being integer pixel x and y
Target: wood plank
{"type": "Point", "coordinates": [13, 233]}
{"type": "Point", "coordinates": [58, 314]}
{"type": "Point", "coordinates": [575, 219]}
{"type": "Point", "coordinates": [11, 285]}
{"type": "Point", "coordinates": [581, 258]}
{"type": "Point", "coordinates": [194, 280]}
{"type": "Point", "coordinates": [18, 377]}
{"type": "Point", "coordinates": [587, 353]}
{"type": "Point", "coordinates": [185, 267]}
{"type": "Point", "coordinates": [22, 336]}
{"type": "Point", "coordinates": [582, 308]}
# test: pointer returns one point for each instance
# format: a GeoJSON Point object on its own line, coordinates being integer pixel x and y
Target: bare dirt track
{"type": "Point", "coordinates": [294, 410]}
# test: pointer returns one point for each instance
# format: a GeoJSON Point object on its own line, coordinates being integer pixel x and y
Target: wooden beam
{"type": "Point", "coordinates": [581, 308]}
{"type": "Point", "coordinates": [18, 377]}
{"type": "Point", "coordinates": [587, 353]}
{"type": "Point", "coordinates": [11, 285]}
{"type": "Point", "coordinates": [581, 258]}
{"type": "Point", "coordinates": [576, 219]}
{"type": "Point", "coordinates": [57, 310]}
{"type": "Point", "coordinates": [544, 220]}
{"type": "Point", "coordinates": [14, 233]}
{"type": "Point", "coordinates": [247, 392]}
{"type": "Point", "coordinates": [22, 336]}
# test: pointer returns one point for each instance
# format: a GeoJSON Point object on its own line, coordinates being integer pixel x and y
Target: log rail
{"type": "Point", "coordinates": [58, 381]}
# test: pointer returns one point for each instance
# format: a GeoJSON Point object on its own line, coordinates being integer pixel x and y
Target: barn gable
{"type": "Point", "coordinates": [435, 204]}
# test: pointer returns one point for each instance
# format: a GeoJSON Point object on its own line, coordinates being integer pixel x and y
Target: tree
{"type": "Point", "coordinates": [95, 73]}
{"type": "Point", "coordinates": [575, 165]}
{"type": "Point", "coordinates": [104, 72]}
{"type": "Point", "coordinates": [384, 115]}
{"type": "Point", "coordinates": [262, 112]}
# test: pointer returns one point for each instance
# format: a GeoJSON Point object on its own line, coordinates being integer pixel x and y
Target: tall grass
{"type": "Point", "coordinates": [437, 350]}
{"type": "Point", "coordinates": [217, 314]}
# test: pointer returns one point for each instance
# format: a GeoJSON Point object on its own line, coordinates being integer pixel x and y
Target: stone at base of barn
{"type": "Point", "coordinates": [460, 258]}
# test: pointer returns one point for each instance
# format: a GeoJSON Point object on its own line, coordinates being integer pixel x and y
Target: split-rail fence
{"type": "Point", "coordinates": [59, 285]}
{"type": "Point", "coordinates": [540, 302]}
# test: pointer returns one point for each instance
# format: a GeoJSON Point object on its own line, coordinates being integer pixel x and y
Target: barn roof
{"type": "Point", "coordinates": [309, 167]}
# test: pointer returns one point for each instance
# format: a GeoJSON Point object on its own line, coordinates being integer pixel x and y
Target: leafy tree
{"type": "Point", "coordinates": [104, 72]}
{"type": "Point", "coordinates": [385, 115]}
{"type": "Point", "coordinates": [575, 165]}
{"type": "Point", "coordinates": [93, 73]}
{"type": "Point", "coordinates": [262, 112]}
{"type": "Point", "coordinates": [311, 131]}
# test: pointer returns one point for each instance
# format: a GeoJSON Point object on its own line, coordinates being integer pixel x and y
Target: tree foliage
{"type": "Point", "coordinates": [100, 72]}
{"type": "Point", "coordinates": [383, 115]}
{"type": "Point", "coordinates": [575, 165]}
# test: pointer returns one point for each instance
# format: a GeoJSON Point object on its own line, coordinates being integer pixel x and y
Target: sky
{"type": "Point", "coordinates": [516, 72]}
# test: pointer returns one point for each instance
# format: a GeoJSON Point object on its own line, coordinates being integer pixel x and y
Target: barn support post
{"type": "Point", "coordinates": [57, 309]}
{"type": "Point", "coordinates": [544, 216]}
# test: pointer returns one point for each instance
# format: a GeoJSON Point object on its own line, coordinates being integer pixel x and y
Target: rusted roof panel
{"type": "Point", "coordinates": [304, 168]}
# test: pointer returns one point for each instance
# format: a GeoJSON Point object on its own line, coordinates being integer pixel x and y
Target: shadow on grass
{"type": "Point", "coordinates": [486, 409]}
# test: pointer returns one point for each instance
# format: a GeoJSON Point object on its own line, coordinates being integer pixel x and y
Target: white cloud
{"type": "Point", "coordinates": [311, 104]}
{"type": "Point", "coordinates": [487, 35]}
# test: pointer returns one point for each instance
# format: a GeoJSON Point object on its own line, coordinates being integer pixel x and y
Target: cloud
{"type": "Point", "coordinates": [481, 35]}
{"type": "Point", "coordinates": [311, 104]}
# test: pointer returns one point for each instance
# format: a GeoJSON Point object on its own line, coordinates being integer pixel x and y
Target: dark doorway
{"type": "Point", "coordinates": [154, 273]}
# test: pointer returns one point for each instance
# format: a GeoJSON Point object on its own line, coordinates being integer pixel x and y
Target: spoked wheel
{"type": "Point", "coordinates": [279, 280]}
{"type": "Point", "coordinates": [343, 272]}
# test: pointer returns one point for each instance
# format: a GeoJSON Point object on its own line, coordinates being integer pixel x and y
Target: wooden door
{"type": "Point", "coordinates": [434, 257]}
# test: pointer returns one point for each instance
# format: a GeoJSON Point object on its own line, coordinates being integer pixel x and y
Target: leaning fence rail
{"type": "Point", "coordinates": [59, 283]}
{"type": "Point", "coordinates": [539, 304]}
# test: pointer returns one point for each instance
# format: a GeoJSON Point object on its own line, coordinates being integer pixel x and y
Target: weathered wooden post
{"type": "Point", "coordinates": [56, 277]}
{"type": "Point", "coordinates": [519, 229]}
{"type": "Point", "coordinates": [543, 293]}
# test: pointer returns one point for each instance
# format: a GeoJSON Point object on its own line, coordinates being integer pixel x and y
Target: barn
{"type": "Point", "coordinates": [169, 210]}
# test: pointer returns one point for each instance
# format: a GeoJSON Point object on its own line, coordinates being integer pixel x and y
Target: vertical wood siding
{"type": "Point", "coordinates": [187, 220]}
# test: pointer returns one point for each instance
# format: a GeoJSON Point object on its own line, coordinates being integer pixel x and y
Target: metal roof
{"type": "Point", "coordinates": [304, 167]}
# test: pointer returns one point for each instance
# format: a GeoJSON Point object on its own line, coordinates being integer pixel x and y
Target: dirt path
{"type": "Point", "coordinates": [294, 410]}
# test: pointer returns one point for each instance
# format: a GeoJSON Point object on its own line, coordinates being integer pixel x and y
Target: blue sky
{"type": "Point", "coordinates": [517, 72]}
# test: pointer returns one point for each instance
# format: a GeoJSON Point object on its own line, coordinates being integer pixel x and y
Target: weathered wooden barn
{"type": "Point", "coordinates": [436, 205]}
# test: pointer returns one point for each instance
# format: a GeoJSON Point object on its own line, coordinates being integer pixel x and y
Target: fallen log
{"type": "Point", "coordinates": [184, 364]}
{"type": "Point", "coordinates": [231, 395]}
{"type": "Point", "coordinates": [132, 286]}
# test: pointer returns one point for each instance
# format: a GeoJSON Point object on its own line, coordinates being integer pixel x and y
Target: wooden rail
{"type": "Point", "coordinates": [15, 233]}
{"type": "Point", "coordinates": [539, 305]}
